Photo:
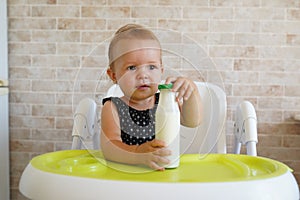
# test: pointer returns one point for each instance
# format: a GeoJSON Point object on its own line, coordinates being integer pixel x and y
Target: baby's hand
{"type": "Point", "coordinates": [184, 86]}
{"type": "Point", "coordinates": [153, 154]}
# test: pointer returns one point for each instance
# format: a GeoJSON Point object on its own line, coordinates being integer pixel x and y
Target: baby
{"type": "Point", "coordinates": [128, 122]}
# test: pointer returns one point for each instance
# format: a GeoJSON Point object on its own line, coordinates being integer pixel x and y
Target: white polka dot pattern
{"type": "Point", "coordinates": [137, 126]}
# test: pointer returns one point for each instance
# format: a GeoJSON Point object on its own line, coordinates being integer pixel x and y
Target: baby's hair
{"type": "Point", "coordinates": [130, 31]}
{"type": "Point", "coordinates": [129, 27]}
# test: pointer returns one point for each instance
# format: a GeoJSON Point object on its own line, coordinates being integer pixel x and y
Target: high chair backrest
{"type": "Point", "coordinates": [209, 137]}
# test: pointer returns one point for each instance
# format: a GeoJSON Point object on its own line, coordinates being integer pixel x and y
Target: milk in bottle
{"type": "Point", "coordinates": [167, 123]}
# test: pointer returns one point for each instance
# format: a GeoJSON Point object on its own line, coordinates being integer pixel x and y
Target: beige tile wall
{"type": "Point", "coordinates": [255, 46]}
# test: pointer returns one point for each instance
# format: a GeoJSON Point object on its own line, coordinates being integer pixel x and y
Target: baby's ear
{"type": "Point", "coordinates": [111, 74]}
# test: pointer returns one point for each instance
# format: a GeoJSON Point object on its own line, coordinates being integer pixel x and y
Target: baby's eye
{"type": "Point", "coordinates": [132, 67]}
{"type": "Point", "coordinates": [152, 66]}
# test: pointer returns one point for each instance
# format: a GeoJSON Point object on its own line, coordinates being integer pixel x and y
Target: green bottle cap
{"type": "Point", "coordinates": [165, 86]}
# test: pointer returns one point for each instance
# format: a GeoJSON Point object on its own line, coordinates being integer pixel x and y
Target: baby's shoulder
{"type": "Point", "coordinates": [106, 100]}
{"type": "Point", "coordinates": [116, 100]}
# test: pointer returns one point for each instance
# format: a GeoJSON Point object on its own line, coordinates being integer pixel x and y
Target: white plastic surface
{"type": "Point", "coordinates": [86, 124]}
{"type": "Point", "coordinates": [251, 148]}
{"type": "Point", "coordinates": [39, 185]}
{"type": "Point", "coordinates": [245, 130]}
{"type": "Point", "coordinates": [209, 137]}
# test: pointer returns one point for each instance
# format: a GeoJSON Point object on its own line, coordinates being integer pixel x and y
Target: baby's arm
{"type": "Point", "coordinates": [151, 153]}
{"type": "Point", "coordinates": [188, 94]}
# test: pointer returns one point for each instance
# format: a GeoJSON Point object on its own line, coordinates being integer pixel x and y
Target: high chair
{"type": "Point", "coordinates": [209, 137]}
{"type": "Point", "coordinates": [206, 171]}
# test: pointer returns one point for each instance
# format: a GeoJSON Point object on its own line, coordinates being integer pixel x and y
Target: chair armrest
{"type": "Point", "coordinates": [245, 128]}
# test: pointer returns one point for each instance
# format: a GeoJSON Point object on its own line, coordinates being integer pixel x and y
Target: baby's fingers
{"type": "Point", "coordinates": [157, 143]}
{"type": "Point", "coordinates": [184, 91]}
{"type": "Point", "coordinates": [182, 86]}
{"type": "Point", "coordinates": [177, 83]}
{"type": "Point", "coordinates": [155, 166]}
{"type": "Point", "coordinates": [158, 162]}
{"type": "Point", "coordinates": [162, 160]}
{"type": "Point", "coordinates": [162, 152]}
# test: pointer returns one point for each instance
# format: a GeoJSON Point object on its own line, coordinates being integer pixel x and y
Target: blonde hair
{"type": "Point", "coordinates": [129, 31]}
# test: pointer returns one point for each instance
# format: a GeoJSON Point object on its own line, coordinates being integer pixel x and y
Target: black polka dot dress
{"type": "Point", "coordinates": [137, 126]}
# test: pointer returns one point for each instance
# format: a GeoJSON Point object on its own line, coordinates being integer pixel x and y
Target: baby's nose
{"type": "Point", "coordinates": [143, 72]}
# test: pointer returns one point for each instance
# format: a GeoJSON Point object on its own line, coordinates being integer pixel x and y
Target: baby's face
{"type": "Point", "coordinates": [138, 69]}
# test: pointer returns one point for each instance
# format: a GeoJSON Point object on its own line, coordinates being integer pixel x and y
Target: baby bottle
{"type": "Point", "coordinates": [167, 123]}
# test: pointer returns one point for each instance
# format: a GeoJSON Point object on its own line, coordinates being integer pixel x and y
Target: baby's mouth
{"type": "Point", "coordinates": [144, 86]}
